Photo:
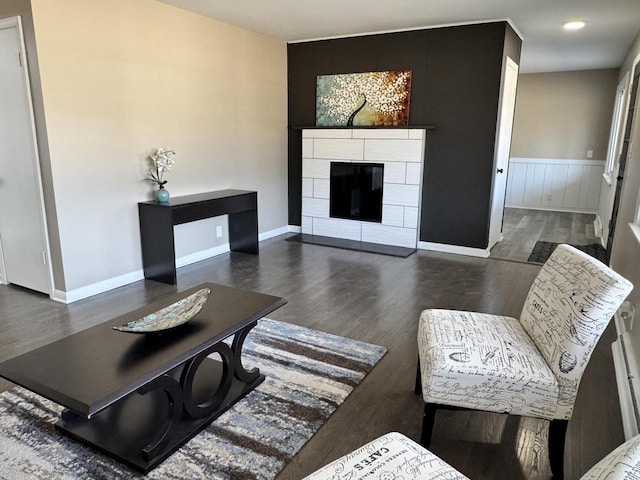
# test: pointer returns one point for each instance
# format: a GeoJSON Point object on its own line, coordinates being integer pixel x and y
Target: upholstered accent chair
{"type": "Point", "coordinates": [621, 464]}
{"type": "Point", "coordinates": [391, 456]}
{"type": "Point", "coordinates": [530, 366]}
{"type": "Point", "coordinates": [394, 456]}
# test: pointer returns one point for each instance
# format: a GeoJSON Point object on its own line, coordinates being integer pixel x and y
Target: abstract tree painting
{"type": "Point", "coordinates": [363, 99]}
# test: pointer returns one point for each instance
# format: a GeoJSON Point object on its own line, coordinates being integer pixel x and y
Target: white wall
{"type": "Point", "coordinates": [122, 77]}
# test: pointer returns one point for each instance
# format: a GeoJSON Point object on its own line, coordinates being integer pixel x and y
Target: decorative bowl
{"type": "Point", "coordinates": [169, 317]}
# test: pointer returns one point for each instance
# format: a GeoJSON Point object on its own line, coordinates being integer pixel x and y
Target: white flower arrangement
{"type": "Point", "coordinates": [162, 162]}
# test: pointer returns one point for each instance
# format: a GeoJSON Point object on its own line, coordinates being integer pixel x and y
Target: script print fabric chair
{"type": "Point", "coordinates": [394, 456]}
{"type": "Point", "coordinates": [389, 457]}
{"type": "Point", "coordinates": [530, 366]}
{"type": "Point", "coordinates": [621, 464]}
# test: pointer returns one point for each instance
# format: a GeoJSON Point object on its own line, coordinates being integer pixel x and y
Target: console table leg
{"type": "Point", "coordinates": [243, 231]}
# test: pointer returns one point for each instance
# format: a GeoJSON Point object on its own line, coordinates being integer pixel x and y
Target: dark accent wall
{"type": "Point", "coordinates": [455, 86]}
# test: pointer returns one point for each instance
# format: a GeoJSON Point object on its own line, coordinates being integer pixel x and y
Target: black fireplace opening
{"type": "Point", "coordinates": [356, 191]}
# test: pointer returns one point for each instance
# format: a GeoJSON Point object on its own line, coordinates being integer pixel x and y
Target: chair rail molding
{"type": "Point", "coordinates": [568, 185]}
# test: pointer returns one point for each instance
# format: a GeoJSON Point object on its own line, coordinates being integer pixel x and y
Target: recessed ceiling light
{"type": "Point", "coordinates": [575, 25]}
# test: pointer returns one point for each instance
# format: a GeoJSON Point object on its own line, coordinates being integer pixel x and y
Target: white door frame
{"type": "Point", "coordinates": [502, 149]}
{"type": "Point", "coordinates": [16, 22]}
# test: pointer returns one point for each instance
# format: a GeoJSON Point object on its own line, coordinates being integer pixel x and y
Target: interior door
{"type": "Point", "coordinates": [624, 153]}
{"type": "Point", "coordinates": [22, 221]}
{"type": "Point", "coordinates": [503, 149]}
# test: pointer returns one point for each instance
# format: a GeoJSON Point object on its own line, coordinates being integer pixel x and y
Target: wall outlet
{"type": "Point", "coordinates": [219, 231]}
{"type": "Point", "coordinates": [589, 153]}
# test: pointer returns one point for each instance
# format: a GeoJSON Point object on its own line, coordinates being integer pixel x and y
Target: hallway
{"type": "Point", "coordinates": [523, 228]}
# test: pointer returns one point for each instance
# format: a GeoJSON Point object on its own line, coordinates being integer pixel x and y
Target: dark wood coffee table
{"type": "Point", "coordinates": [140, 397]}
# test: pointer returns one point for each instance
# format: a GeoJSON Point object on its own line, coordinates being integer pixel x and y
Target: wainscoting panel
{"type": "Point", "coordinates": [554, 184]}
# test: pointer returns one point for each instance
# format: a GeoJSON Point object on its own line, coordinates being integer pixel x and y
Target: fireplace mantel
{"type": "Point", "coordinates": [401, 150]}
{"type": "Point", "coordinates": [364, 127]}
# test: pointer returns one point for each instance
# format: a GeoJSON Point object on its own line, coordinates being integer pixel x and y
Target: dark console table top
{"type": "Point", "coordinates": [91, 369]}
{"type": "Point", "coordinates": [199, 197]}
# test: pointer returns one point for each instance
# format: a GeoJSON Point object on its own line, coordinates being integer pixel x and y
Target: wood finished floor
{"type": "Point", "coordinates": [376, 299]}
{"type": "Point", "coordinates": [522, 228]}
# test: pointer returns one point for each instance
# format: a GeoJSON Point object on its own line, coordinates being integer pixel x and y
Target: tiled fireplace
{"type": "Point", "coordinates": [401, 151]}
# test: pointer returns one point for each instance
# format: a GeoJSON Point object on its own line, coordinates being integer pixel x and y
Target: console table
{"type": "Point", "coordinates": [158, 219]}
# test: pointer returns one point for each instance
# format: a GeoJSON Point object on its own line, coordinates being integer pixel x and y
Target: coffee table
{"type": "Point", "coordinates": [140, 397]}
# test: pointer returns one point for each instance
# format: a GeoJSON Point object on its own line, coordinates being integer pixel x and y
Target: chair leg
{"type": "Point", "coordinates": [557, 435]}
{"type": "Point", "coordinates": [428, 419]}
{"type": "Point", "coordinates": [418, 388]}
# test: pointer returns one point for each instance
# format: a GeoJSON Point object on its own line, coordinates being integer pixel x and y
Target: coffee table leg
{"type": "Point", "coordinates": [174, 396]}
{"type": "Point", "coordinates": [189, 372]}
{"type": "Point", "coordinates": [247, 376]}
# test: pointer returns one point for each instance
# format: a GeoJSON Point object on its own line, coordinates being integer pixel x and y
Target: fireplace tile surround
{"type": "Point", "coordinates": [402, 153]}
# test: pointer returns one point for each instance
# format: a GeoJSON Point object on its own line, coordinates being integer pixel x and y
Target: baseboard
{"type": "Point", "coordinates": [202, 255]}
{"type": "Point", "coordinates": [279, 231]}
{"type": "Point", "coordinates": [554, 209]}
{"type": "Point", "coordinates": [627, 381]}
{"type": "Point", "coordinates": [96, 288]}
{"type": "Point", "coordinates": [442, 247]}
{"type": "Point", "coordinates": [122, 280]}
{"type": "Point", "coordinates": [597, 227]}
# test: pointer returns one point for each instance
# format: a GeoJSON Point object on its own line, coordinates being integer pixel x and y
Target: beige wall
{"type": "Point", "coordinates": [563, 114]}
{"type": "Point", "coordinates": [122, 77]}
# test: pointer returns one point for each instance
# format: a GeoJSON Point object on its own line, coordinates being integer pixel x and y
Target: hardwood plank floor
{"type": "Point", "coordinates": [376, 299]}
{"type": "Point", "coordinates": [522, 228]}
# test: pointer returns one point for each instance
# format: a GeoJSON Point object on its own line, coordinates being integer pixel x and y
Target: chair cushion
{"type": "Point", "coordinates": [570, 303]}
{"type": "Point", "coordinates": [392, 456]}
{"type": "Point", "coordinates": [622, 463]}
{"type": "Point", "coordinates": [483, 362]}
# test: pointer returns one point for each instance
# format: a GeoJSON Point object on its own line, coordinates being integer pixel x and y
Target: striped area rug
{"type": "Point", "coordinates": [309, 374]}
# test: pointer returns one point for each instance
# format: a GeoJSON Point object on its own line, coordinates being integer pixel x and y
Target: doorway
{"type": "Point", "coordinates": [24, 248]}
{"type": "Point", "coordinates": [624, 152]}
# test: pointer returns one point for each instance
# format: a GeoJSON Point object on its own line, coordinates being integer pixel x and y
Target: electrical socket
{"type": "Point", "coordinates": [219, 231]}
{"type": "Point", "coordinates": [589, 153]}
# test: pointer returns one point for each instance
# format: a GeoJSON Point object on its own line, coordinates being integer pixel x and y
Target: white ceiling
{"type": "Point", "coordinates": [611, 24]}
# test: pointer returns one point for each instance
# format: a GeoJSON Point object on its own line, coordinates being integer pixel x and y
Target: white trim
{"type": "Point", "coordinates": [555, 209]}
{"type": "Point", "coordinates": [566, 161]}
{"type": "Point", "coordinates": [597, 227]}
{"type": "Point", "coordinates": [458, 250]}
{"type": "Point", "coordinates": [277, 231]}
{"type": "Point", "coordinates": [202, 255]}
{"type": "Point", "coordinates": [294, 229]}
{"type": "Point", "coordinates": [626, 372]}
{"type": "Point", "coordinates": [122, 280]}
{"type": "Point", "coordinates": [413, 29]}
{"type": "Point", "coordinates": [635, 229]}
{"type": "Point", "coordinates": [11, 22]}
{"type": "Point", "coordinates": [618, 122]}
{"type": "Point", "coordinates": [96, 288]}
{"type": "Point", "coordinates": [3, 274]}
